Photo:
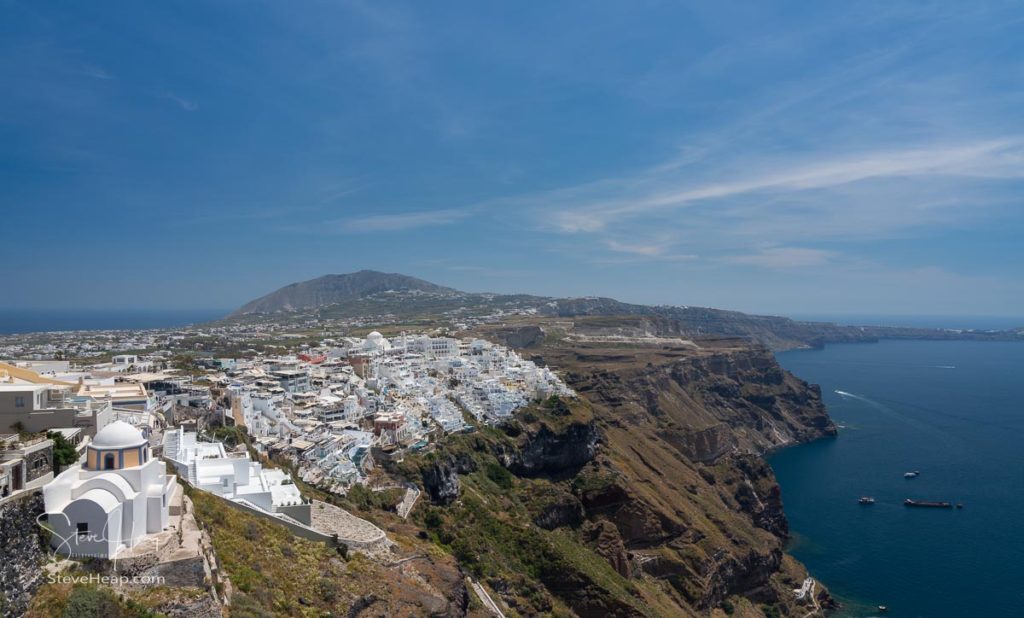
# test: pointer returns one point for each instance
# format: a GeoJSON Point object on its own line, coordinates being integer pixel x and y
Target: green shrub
{"type": "Point", "coordinates": [365, 499]}
{"type": "Point", "coordinates": [90, 602]}
{"type": "Point", "coordinates": [64, 453]}
{"type": "Point", "coordinates": [433, 519]}
{"type": "Point", "coordinates": [497, 473]}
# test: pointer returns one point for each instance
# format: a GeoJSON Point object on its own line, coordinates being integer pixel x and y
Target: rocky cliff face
{"type": "Point", "coordinates": [441, 476]}
{"type": "Point", "coordinates": [649, 495]}
{"type": "Point", "coordinates": [549, 452]}
{"type": "Point", "coordinates": [23, 553]}
{"type": "Point", "coordinates": [684, 431]}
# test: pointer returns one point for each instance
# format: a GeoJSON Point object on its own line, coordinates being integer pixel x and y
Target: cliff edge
{"type": "Point", "coordinates": [646, 496]}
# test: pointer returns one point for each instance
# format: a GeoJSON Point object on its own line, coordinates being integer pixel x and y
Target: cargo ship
{"type": "Point", "coordinates": [935, 505]}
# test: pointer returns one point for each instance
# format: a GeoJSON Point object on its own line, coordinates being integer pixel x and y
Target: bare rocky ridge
{"type": "Point", "coordinates": [370, 293]}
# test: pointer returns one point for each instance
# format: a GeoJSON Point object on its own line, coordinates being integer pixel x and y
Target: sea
{"type": "Point", "coordinates": [45, 320]}
{"type": "Point", "coordinates": [953, 410]}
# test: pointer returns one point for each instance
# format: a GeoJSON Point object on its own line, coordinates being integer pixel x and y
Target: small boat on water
{"type": "Point", "coordinates": [911, 475]}
{"type": "Point", "coordinates": [866, 500]}
{"type": "Point", "coordinates": [883, 608]}
{"type": "Point", "coordinates": [926, 503]}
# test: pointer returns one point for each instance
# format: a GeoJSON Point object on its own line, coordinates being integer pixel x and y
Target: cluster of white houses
{"type": "Point", "coordinates": [49, 396]}
{"type": "Point", "coordinates": [118, 493]}
{"type": "Point", "coordinates": [331, 409]}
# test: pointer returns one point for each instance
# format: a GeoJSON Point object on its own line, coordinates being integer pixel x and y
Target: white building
{"type": "Point", "coordinates": [42, 407]}
{"type": "Point", "coordinates": [292, 380]}
{"type": "Point", "coordinates": [437, 347]}
{"type": "Point", "coordinates": [234, 476]}
{"type": "Point", "coordinates": [376, 343]}
{"type": "Point", "coordinates": [112, 501]}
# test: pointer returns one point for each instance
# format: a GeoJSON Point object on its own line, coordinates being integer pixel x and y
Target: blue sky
{"type": "Point", "coordinates": [832, 157]}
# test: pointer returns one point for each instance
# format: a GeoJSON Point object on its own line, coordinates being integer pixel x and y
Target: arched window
{"type": "Point", "coordinates": [108, 462]}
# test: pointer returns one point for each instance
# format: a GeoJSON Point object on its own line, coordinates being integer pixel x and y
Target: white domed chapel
{"type": "Point", "coordinates": [112, 501]}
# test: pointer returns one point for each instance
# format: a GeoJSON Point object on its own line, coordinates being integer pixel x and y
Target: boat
{"type": "Point", "coordinates": [883, 608]}
{"type": "Point", "coordinates": [910, 475]}
{"type": "Point", "coordinates": [926, 503]}
{"type": "Point", "coordinates": [866, 500]}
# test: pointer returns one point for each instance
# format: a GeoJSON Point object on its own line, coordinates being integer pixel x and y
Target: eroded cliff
{"type": "Point", "coordinates": [647, 496]}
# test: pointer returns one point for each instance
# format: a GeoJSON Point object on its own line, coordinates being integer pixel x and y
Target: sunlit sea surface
{"type": "Point", "coordinates": [954, 410]}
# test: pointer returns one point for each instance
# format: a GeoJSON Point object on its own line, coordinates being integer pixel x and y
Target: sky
{"type": "Point", "coordinates": [771, 157]}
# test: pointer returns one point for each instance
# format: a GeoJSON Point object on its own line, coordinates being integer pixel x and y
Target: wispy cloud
{"type": "Point", "coordinates": [668, 188]}
{"type": "Point", "coordinates": [270, 209]}
{"type": "Point", "coordinates": [760, 211]}
{"type": "Point", "coordinates": [637, 248]}
{"type": "Point", "coordinates": [782, 257]}
{"type": "Point", "coordinates": [654, 250]}
{"type": "Point", "coordinates": [486, 271]}
{"type": "Point", "coordinates": [398, 221]}
{"type": "Point", "coordinates": [96, 72]}
{"type": "Point", "coordinates": [186, 104]}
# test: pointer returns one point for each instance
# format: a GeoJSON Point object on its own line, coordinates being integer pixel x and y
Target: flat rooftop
{"type": "Point", "coordinates": [15, 388]}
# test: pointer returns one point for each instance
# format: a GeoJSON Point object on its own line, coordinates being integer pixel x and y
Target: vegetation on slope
{"type": "Point", "coordinates": [674, 513]}
{"type": "Point", "coordinates": [85, 601]}
{"type": "Point", "coordinates": [91, 600]}
{"type": "Point", "coordinates": [274, 573]}
{"type": "Point", "coordinates": [493, 531]}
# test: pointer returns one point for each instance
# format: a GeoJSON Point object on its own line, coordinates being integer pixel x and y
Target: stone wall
{"type": "Point", "coordinates": [38, 463]}
{"type": "Point", "coordinates": [296, 528]}
{"type": "Point", "coordinates": [22, 552]}
{"type": "Point", "coordinates": [356, 533]}
{"type": "Point", "coordinates": [298, 512]}
{"type": "Point", "coordinates": [180, 573]}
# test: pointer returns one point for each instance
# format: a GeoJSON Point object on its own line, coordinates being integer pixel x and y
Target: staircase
{"type": "Point", "coordinates": [171, 441]}
{"type": "Point", "coordinates": [408, 501]}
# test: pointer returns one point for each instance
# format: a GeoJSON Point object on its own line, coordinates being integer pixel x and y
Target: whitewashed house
{"type": "Point", "coordinates": [233, 476]}
{"type": "Point", "coordinates": [112, 501]}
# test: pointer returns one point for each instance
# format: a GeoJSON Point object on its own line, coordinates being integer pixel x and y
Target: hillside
{"type": "Point", "coordinates": [335, 289]}
{"type": "Point", "coordinates": [392, 298]}
{"type": "Point", "coordinates": [647, 496]}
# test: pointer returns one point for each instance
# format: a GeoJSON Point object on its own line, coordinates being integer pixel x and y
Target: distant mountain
{"type": "Point", "coordinates": [372, 294]}
{"type": "Point", "coordinates": [338, 289]}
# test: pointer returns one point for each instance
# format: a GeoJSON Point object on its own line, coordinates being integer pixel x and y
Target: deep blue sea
{"type": "Point", "coordinates": [42, 320]}
{"type": "Point", "coordinates": [953, 410]}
